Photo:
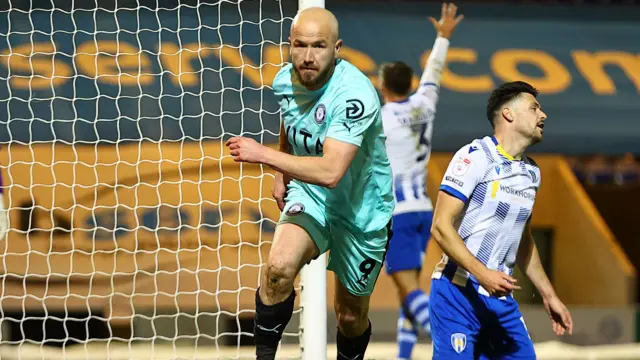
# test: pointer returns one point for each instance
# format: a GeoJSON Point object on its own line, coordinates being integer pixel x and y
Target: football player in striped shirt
{"type": "Point", "coordinates": [481, 222]}
{"type": "Point", "coordinates": [408, 125]}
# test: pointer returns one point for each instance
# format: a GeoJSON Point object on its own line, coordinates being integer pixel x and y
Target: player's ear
{"type": "Point", "coordinates": [338, 47]}
{"type": "Point", "coordinates": [290, 46]}
{"type": "Point", "coordinates": [380, 84]}
{"type": "Point", "coordinates": [507, 114]}
{"type": "Point", "coordinates": [382, 90]}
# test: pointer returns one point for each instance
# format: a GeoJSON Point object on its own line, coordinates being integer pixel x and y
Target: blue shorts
{"type": "Point", "coordinates": [411, 232]}
{"type": "Point", "coordinates": [468, 325]}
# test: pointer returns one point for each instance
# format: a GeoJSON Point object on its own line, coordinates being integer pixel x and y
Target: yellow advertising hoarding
{"type": "Point", "coordinates": [170, 218]}
{"type": "Point", "coordinates": [181, 225]}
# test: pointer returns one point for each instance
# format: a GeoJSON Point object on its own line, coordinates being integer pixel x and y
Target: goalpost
{"type": "Point", "coordinates": [314, 286]}
{"type": "Point", "coordinates": [127, 214]}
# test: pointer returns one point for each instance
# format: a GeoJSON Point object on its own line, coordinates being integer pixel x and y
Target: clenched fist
{"type": "Point", "coordinates": [247, 150]}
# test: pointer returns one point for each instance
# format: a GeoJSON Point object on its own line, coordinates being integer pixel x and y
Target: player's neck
{"type": "Point", "coordinates": [513, 144]}
{"type": "Point", "coordinates": [395, 98]}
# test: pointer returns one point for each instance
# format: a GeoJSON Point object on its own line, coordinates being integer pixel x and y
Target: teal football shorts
{"type": "Point", "coordinates": [356, 257]}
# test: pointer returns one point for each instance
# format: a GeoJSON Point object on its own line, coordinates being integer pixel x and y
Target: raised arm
{"type": "Point", "coordinates": [430, 79]}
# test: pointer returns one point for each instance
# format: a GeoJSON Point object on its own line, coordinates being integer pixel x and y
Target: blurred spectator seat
{"type": "Point", "coordinates": [577, 165]}
{"type": "Point", "coordinates": [598, 170]}
{"type": "Point", "coordinates": [626, 170]}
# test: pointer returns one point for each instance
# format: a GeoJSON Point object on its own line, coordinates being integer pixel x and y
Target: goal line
{"type": "Point", "coordinates": [377, 351]}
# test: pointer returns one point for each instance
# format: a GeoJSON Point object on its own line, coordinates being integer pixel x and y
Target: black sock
{"type": "Point", "coordinates": [353, 348]}
{"type": "Point", "coordinates": [269, 325]}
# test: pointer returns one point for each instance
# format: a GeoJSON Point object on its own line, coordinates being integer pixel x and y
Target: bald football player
{"type": "Point", "coordinates": [333, 185]}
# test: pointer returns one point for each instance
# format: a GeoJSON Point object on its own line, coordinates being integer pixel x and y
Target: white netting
{"type": "Point", "coordinates": [124, 209]}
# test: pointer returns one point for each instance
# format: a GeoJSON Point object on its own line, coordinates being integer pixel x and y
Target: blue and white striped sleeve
{"type": "Point", "coordinates": [465, 171]}
{"type": "Point", "coordinates": [430, 79]}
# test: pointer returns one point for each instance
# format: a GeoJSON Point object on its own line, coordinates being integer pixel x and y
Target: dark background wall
{"type": "Point", "coordinates": [591, 108]}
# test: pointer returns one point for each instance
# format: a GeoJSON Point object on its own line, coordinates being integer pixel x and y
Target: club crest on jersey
{"type": "Point", "coordinates": [459, 342]}
{"type": "Point", "coordinates": [461, 166]}
{"type": "Point", "coordinates": [295, 209]}
{"type": "Point", "coordinates": [320, 114]}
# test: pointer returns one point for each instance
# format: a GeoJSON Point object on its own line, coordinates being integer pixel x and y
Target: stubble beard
{"type": "Point", "coordinates": [317, 81]}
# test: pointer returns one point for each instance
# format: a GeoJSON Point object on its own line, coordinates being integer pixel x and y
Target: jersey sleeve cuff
{"type": "Point", "coordinates": [453, 192]}
{"type": "Point", "coordinates": [425, 84]}
{"type": "Point", "coordinates": [346, 139]}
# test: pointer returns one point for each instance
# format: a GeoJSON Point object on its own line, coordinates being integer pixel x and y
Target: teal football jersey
{"type": "Point", "coordinates": [346, 108]}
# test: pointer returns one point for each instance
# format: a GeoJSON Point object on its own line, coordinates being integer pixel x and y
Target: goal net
{"type": "Point", "coordinates": [129, 221]}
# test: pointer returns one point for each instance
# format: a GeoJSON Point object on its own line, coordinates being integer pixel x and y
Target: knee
{"type": "Point", "coordinates": [351, 320]}
{"type": "Point", "coordinates": [280, 275]}
{"type": "Point", "coordinates": [348, 319]}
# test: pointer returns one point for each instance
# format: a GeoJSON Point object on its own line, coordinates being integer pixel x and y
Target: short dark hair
{"type": "Point", "coordinates": [505, 93]}
{"type": "Point", "coordinates": [397, 77]}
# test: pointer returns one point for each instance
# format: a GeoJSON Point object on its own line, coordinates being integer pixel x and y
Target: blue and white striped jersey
{"type": "Point", "coordinates": [499, 193]}
{"type": "Point", "coordinates": [408, 126]}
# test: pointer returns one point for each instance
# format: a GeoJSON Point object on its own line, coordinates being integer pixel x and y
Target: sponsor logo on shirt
{"type": "Point", "coordinates": [519, 193]}
{"type": "Point", "coordinates": [354, 109]}
{"type": "Point", "coordinates": [455, 181]}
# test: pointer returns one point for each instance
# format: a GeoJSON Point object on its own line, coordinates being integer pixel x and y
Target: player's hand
{"type": "Point", "coordinates": [448, 20]}
{"type": "Point", "coordinates": [279, 190]}
{"type": "Point", "coordinates": [245, 150]}
{"type": "Point", "coordinates": [560, 317]}
{"type": "Point", "coordinates": [497, 283]}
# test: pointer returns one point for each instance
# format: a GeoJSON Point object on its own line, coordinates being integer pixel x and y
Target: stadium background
{"type": "Point", "coordinates": [130, 224]}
